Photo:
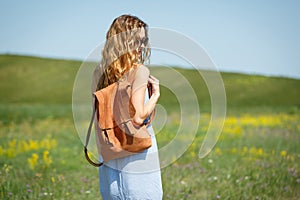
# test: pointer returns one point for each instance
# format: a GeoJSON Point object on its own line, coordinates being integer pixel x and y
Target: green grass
{"type": "Point", "coordinates": [248, 161]}
{"type": "Point", "coordinates": [256, 157]}
{"type": "Point", "coordinates": [30, 80]}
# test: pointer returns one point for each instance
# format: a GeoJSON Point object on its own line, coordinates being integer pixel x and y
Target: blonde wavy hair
{"type": "Point", "coordinates": [122, 49]}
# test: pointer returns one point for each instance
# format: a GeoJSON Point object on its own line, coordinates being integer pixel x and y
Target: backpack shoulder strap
{"type": "Point", "coordinates": [88, 135]}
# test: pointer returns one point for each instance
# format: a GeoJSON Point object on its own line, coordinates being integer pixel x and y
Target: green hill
{"type": "Point", "coordinates": [36, 80]}
{"type": "Point", "coordinates": [31, 80]}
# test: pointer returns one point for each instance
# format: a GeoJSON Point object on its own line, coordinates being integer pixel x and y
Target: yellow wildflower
{"type": "Point", "coordinates": [231, 121]}
{"type": "Point", "coordinates": [11, 152]}
{"type": "Point", "coordinates": [260, 152]}
{"type": "Point", "coordinates": [283, 153]}
{"type": "Point", "coordinates": [48, 144]}
{"type": "Point", "coordinates": [33, 144]}
{"type": "Point", "coordinates": [47, 160]}
{"type": "Point", "coordinates": [33, 160]}
{"type": "Point", "coordinates": [218, 151]}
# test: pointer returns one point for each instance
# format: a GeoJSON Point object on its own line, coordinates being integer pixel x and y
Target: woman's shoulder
{"type": "Point", "coordinates": [139, 74]}
{"type": "Point", "coordinates": [141, 69]}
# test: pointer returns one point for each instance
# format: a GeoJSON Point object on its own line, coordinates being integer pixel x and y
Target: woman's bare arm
{"type": "Point", "coordinates": [138, 97]}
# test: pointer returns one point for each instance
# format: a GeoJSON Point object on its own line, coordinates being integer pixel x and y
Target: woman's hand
{"type": "Point", "coordinates": [154, 86]}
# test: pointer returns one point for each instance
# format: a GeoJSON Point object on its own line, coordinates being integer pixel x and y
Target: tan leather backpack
{"type": "Point", "coordinates": [114, 112]}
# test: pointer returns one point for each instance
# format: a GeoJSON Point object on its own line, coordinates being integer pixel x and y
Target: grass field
{"type": "Point", "coordinates": [256, 157]}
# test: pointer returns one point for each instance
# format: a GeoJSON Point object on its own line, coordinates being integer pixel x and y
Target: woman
{"type": "Point", "coordinates": [125, 51]}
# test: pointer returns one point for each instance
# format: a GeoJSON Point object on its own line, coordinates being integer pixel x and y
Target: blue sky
{"type": "Point", "coordinates": [260, 37]}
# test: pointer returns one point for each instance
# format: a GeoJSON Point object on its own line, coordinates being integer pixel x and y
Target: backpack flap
{"type": "Point", "coordinates": [105, 99]}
